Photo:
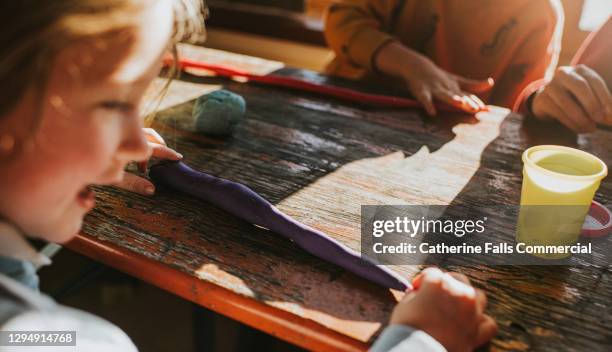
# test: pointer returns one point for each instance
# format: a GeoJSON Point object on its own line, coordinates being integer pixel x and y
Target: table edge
{"type": "Point", "coordinates": [302, 332]}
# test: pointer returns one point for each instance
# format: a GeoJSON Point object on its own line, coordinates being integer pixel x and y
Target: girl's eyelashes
{"type": "Point", "coordinates": [117, 105]}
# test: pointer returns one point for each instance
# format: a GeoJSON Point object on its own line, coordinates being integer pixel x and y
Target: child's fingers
{"type": "Point", "coordinates": [551, 110]}
{"type": "Point", "coordinates": [408, 296]}
{"type": "Point", "coordinates": [431, 274]}
{"type": "Point", "coordinates": [460, 277]}
{"type": "Point", "coordinates": [459, 288]}
{"type": "Point", "coordinates": [481, 104]}
{"type": "Point", "coordinates": [153, 136]}
{"type": "Point", "coordinates": [425, 98]}
{"type": "Point", "coordinates": [486, 330]}
{"type": "Point", "coordinates": [160, 151]}
{"type": "Point", "coordinates": [464, 101]}
{"type": "Point", "coordinates": [475, 86]}
{"type": "Point", "coordinates": [581, 89]}
{"type": "Point", "coordinates": [450, 98]}
{"type": "Point", "coordinates": [136, 184]}
{"type": "Point", "coordinates": [163, 152]}
{"type": "Point", "coordinates": [481, 298]}
{"type": "Point", "coordinates": [600, 89]}
{"type": "Point", "coordinates": [416, 281]}
{"type": "Point", "coordinates": [458, 101]}
{"type": "Point", "coordinates": [472, 105]}
{"type": "Point", "coordinates": [481, 301]}
{"type": "Point", "coordinates": [568, 111]}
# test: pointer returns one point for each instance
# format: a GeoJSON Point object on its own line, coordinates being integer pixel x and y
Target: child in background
{"type": "Point", "coordinates": [73, 74]}
{"type": "Point", "coordinates": [446, 50]}
{"type": "Point", "coordinates": [578, 95]}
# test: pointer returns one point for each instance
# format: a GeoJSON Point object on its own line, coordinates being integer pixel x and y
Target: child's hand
{"type": "Point", "coordinates": [158, 149]}
{"type": "Point", "coordinates": [448, 308]}
{"type": "Point", "coordinates": [577, 97]}
{"type": "Point", "coordinates": [427, 82]}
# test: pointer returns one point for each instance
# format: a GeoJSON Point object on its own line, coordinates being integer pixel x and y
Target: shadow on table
{"type": "Point", "coordinates": [496, 185]}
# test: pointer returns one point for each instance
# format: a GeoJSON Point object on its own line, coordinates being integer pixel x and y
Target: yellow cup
{"type": "Point", "coordinates": [559, 184]}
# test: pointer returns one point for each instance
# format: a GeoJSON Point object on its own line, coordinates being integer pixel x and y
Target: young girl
{"type": "Point", "coordinates": [445, 50]}
{"type": "Point", "coordinates": [74, 73]}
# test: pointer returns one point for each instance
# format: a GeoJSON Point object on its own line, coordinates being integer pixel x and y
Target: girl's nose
{"type": "Point", "coordinates": [134, 146]}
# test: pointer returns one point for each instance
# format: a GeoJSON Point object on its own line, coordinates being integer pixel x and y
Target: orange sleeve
{"type": "Point", "coordinates": [355, 29]}
{"type": "Point", "coordinates": [522, 104]}
{"type": "Point", "coordinates": [596, 52]}
{"type": "Point", "coordinates": [536, 58]}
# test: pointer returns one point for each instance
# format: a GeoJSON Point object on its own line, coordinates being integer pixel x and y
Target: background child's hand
{"type": "Point", "coordinates": [427, 82]}
{"type": "Point", "coordinates": [577, 97]}
{"type": "Point", "coordinates": [157, 149]}
{"type": "Point", "coordinates": [448, 308]}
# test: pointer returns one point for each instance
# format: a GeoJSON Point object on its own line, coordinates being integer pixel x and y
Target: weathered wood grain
{"type": "Point", "coordinates": [319, 160]}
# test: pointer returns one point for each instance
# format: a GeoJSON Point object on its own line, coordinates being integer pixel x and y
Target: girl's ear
{"type": "Point", "coordinates": [19, 124]}
{"type": "Point", "coordinates": [7, 144]}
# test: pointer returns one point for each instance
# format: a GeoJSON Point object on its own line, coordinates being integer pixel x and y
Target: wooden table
{"type": "Point", "coordinates": [318, 160]}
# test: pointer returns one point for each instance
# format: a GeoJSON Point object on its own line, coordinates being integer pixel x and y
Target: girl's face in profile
{"type": "Point", "coordinates": [90, 126]}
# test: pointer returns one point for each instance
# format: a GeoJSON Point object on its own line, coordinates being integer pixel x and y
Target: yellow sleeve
{"type": "Point", "coordinates": [356, 29]}
{"type": "Point", "coordinates": [537, 56]}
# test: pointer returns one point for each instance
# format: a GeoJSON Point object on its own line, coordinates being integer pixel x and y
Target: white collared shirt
{"type": "Point", "coordinates": [24, 309]}
{"type": "Point", "coordinates": [14, 245]}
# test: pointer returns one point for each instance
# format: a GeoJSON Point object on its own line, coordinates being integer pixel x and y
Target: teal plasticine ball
{"type": "Point", "coordinates": [217, 113]}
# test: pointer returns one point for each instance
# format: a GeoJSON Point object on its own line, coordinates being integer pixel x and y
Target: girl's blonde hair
{"type": "Point", "coordinates": [34, 31]}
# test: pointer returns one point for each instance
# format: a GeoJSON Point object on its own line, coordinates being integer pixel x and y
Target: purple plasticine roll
{"type": "Point", "coordinates": [244, 203]}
